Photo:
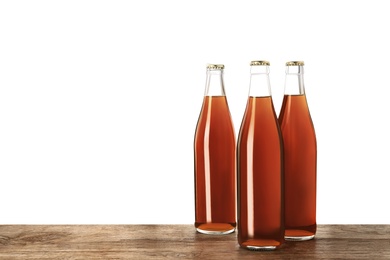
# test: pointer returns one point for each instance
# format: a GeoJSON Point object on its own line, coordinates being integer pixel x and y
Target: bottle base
{"type": "Point", "coordinates": [298, 235]}
{"type": "Point", "coordinates": [215, 228]}
{"type": "Point", "coordinates": [261, 244]}
{"type": "Point", "coordinates": [301, 238]}
{"type": "Point", "coordinates": [261, 248]}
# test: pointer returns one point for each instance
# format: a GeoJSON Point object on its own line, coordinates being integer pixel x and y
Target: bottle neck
{"type": "Point", "coordinates": [214, 83]}
{"type": "Point", "coordinates": [293, 84]}
{"type": "Point", "coordinates": [259, 83]}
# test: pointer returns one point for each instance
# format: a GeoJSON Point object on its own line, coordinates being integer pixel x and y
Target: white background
{"type": "Point", "coordinates": [99, 101]}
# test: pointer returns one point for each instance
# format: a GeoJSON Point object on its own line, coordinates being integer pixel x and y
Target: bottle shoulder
{"type": "Point", "coordinates": [215, 116]}
{"type": "Point", "coordinates": [294, 107]}
{"type": "Point", "coordinates": [259, 120]}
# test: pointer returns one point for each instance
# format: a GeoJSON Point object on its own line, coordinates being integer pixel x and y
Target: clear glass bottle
{"type": "Point", "coordinates": [215, 160]}
{"type": "Point", "coordinates": [300, 157]}
{"type": "Point", "coordinates": [260, 167]}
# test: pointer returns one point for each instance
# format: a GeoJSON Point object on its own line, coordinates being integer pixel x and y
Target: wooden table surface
{"type": "Point", "coordinates": [182, 242]}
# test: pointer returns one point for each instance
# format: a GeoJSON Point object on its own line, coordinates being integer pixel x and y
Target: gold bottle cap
{"type": "Point", "coordinates": [260, 63]}
{"type": "Point", "coordinates": [216, 66]}
{"type": "Point", "coordinates": [295, 63]}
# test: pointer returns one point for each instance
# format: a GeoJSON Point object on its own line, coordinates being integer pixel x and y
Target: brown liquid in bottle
{"type": "Point", "coordinates": [215, 168]}
{"type": "Point", "coordinates": [260, 168]}
{"type": "Point", "coordinates": [300, 154]}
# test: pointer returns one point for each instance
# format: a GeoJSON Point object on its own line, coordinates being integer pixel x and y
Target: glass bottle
{"type": "Point", "coordinates": [215, 160]}
{"type": "Point", "coordinates": [300, 157]}
{"type": "Point", "coordinates": [260, 167]}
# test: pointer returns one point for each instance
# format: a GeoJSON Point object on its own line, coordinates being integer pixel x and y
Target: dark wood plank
{"type": "Point", "coordinates": [181, 241]}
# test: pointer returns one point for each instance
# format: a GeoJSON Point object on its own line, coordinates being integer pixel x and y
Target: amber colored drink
{"type": "Point", "coordinates": [215, 168]}
{"type": "Point", "coordinates": [300, 153]}
{"type": "Point", "coordinates": [260, 177]}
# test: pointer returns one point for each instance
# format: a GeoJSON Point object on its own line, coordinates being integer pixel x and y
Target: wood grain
{"type": "Point", "coordinates": [182, 242]}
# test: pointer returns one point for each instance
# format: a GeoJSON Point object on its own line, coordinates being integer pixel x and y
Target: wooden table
{"type": "Point", "coordinates": [182, 242]}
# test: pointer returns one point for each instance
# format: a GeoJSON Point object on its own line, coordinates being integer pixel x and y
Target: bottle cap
{"type": "Point", "coordinates": [215, 66]}
{"type": "Point", "coordinates": [260, 63]}
{"type": "Point", "coordinates": [295, 63]}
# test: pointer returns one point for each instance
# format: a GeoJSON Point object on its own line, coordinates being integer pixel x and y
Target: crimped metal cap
{"type": "Point", "coordinates": [295, 63]}
{"type": "Point", "coordinates": [260, 63]}
{"type": "Point", "coordinates": [215, 66]}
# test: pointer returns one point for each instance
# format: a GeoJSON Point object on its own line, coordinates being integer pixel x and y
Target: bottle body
{"type": "Point", "coordinates": [300, 160]}
{"type": "Point", "coordinates": [260, 175]}
{"type": "Point", "coordinates": [215, 166]}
